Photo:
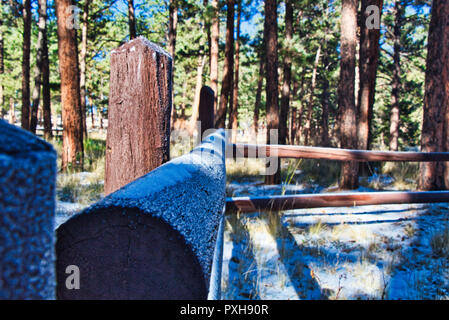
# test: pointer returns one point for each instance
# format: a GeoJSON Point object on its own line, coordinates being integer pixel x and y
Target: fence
{"type": "Point", "coordinates": [251, 204]}
{"type": "Point", "coordinates": [158, 234]}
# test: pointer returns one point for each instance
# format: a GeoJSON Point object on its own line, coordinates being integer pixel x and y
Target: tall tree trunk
{"type": "Point", "coordinates": [46, 102]}
{"type": "Point", "coordinates": [233, 120]}
{"type": "Point", "coordinates": [287, 72]}
{"type": "Point", "coordinates": [307, 127]}
{"type": "Point", "coordinates": [83, 54]}
{"type": "Point", "coordinates": [131, 20]}
{"type": "Point", "coordinates": [226, 86]}
{"type": "Point", "coordinates": [38, 70]}
{"type": "Point", "coordinates": [100, 107]}
{"type": "Point", "coordinates": [300, 111]}
{"type": "Point", "coordinates": [396, 83]}
{"type": "Point", "coordinates": [215, 36]}
{"type": "Point", "coordinates": [435, 131]}
{"type": "Point", "coordinates": [26, 64]}
{"type": "Point", "coordinates": [172, 26]}
{"type": "Point", "coordinates": [294, 114]}
{"type": "Point", "coordinates": [325, 141]}
{"type": "Point", "coordinates": [196, 99]}
{"type": "Point", "coordinates": [272, 91]}
{"type": "Point", "coordinates": [369, 56]}
{"type": "Point", "coordinates": [259, 93]}
{"type": "Point", "coordinates": [12, 111]}
{"type": "Point", "coordinates": [72, 143]}
{"type": "Point", "coordinates": [346, 98]}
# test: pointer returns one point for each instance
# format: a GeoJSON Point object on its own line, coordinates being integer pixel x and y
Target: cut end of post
{"type": "Point", "coordinates": [141, 42]}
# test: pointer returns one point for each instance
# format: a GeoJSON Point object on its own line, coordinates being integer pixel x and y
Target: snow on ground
{"type": "Point", "coordinates": [64, 210]}
{"type": "Point", "coordinates": [366, 252]}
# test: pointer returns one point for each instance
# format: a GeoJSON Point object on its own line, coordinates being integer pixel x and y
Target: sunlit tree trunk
{"type": "Point", "coordinates": [12, 111]}
{"type": "Point", "coordinates": [369, 55]}
{"type": "Point", "coordinates": [83, 54]}
{"type": "Point", "coordinates": [228, 68]}
{"type": "Point", "coordinates": [346, 97]}
{"type": "Point", "coordinates": [233, 120]}
{"type": "Point", "coordinates": [435, 131]}
{"type": "Point", "coordinates": [215, 35]}
{"type": "Point", "coordinates": [396, 83]}
{"type": "Point", "coordinates": [72, 142]}
{"type": "Point", "coordinates": [172, 26]}
{"type": "Point", "coordinates": [287, 74]}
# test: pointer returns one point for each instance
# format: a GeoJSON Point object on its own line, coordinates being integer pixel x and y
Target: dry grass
{"type": "Point", "coordinates": [440, 242]}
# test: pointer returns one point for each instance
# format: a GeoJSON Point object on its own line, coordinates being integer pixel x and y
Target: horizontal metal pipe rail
{"type": "Point", "coordinates": [302, 201]}
{"type": "Point", "coordinates": [300, 152]}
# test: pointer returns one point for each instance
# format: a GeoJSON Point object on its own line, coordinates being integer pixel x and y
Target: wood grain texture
{"type": "Point", "coordinates": [140, 102]}
{"type": "Point", "coordinates": [275, 203]}
{"type": "Point", "coordinates": [300, 152]}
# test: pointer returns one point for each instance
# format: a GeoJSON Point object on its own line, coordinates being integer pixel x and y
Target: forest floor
{"type": "Point", "coordinates": [367, 252]}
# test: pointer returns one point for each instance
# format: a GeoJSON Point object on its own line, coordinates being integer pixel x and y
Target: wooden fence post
{"type": "Point", "coordinates": [206, 109]}
{"type": "Point", "coordinates": [27, 215]}
{"type": "Point", "coordinates": [140, 101]}
{"type": "Point", "coordinates": [156, 237]}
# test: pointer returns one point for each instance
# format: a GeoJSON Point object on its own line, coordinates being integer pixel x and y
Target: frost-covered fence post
{"type": "Point", "coordinates": [155, 238]}
{"type": "Point", "coordinates": [206, 109]}
{"type": "Point", "coordinates": [27, 214]}
{"type": "Point", "coordinates": [140, 100]}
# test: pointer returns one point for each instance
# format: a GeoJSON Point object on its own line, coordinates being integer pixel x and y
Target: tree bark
{"type": "Point", "coordinates": [434, 176]}
{"type": "Point", "coordinates": [325, 141]}
{"type": "Point", "coordinates": [233, 119]}
{"type": "Point", "coordinates": [215, 36]}
{"type": "Point", "coordinates": [26, 64]}
{"type": "Point", "coordinates": [272, 91]}
{"type": "Point", "coordinates": [300, 111]}
{"type": "Point", "coordinates": [38, 70]}
{"type": "Point", "coordinates": [12, 111]}
{"type": "Point", "coordinates": [172, 27]}
{"type": "Point", "coordinates": [396, 83]}
{"type": "Point", "coordinates": [72, 138]}
{"type": "Point", "coordinates": [259, 93]}
{"type": "Point", "coordinates": [369, 56]}
{"type": "Point", "coordinates": [294, 112]}
{"type": "Point", "coordinates": [226, 86]}
{"type": "Point", "coordinates": [287, 72]}
{"type": "Point", "coordinates": [196, 99]}
{"type": "Point", "coordinates": [307, 127]}
{"type": "Point", "coordinates": [346, 97]}
{"type": "Point", "coordinates": [83, 54]}
{"type": "Point", "coordinates": [46, 99]}
{"type": "Point", "coordinates": [131, 20]}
